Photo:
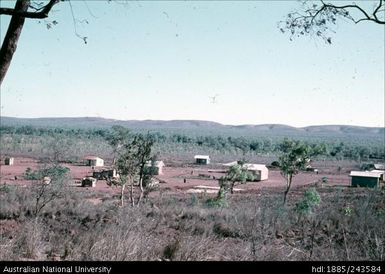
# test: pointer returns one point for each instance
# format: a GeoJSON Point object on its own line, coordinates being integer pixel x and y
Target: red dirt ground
{"type": "Point", "coordinates": [172, 178]}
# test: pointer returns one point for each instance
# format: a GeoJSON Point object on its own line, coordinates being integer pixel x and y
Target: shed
{"type": "Point", "coordinates": [202, 159]}
{"type": "Point", "coordinates": [259, 171]}
{"type": "Point", "coordinates": [367, 178]}
{"type": "Point", "coordinates": [155, 167]}
{"type": "Point", "coordinates": [8, 161]}
{"type": "Point", "coordinates": [93, 161]}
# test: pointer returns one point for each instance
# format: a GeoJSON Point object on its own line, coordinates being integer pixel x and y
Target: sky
{"type": "Point", "coordinates": [166, 60]}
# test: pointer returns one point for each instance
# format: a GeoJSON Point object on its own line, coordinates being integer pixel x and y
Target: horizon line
{"type": "Point", "coordinates": [198, 120]}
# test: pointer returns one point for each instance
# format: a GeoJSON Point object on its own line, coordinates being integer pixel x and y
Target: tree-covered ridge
{"type": "Point", "coordinates": [75, 141]}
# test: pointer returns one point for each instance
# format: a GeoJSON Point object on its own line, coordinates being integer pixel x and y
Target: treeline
{"type": "Point", "coordinates": [336, 147]}
{"type": "Point", "coordinates": [40, 131]}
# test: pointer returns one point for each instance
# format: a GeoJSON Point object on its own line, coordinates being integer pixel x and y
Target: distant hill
{"type": "Point", "coordinates": [194, 125]}
{"type": "Point", "coordinates": [96, 122]}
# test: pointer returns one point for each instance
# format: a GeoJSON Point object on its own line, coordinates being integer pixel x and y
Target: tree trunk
{"type": "Point", "coordinates": [288, 185]}
{"type": "Point", "coordinates": [11, 38]}
{"type": "Point", "coordinates": [232, 187]}
{"type": "Point", "coordinates": [122, 195]}
{"type": "Point", "coordinates": [132, 193]}
{"type": "Point", "coordinates": [141, 183]}
{"type": "Point", "coordinates": [141, 190]}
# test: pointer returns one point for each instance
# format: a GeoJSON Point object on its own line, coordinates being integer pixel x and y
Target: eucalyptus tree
{"type": "Point", "coordinates": [132, 152]}
{"type": "Point", "coordinates": [295, 157]}
{"type": "Point", "coordinates": [237, 174]}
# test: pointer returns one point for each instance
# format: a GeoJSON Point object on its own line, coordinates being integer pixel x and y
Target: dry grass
{"type": "Point", "coordinates": [347, 225]}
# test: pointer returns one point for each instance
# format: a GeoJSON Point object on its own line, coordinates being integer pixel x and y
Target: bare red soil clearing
{"type": "Point", "coordinates": [174, 179]}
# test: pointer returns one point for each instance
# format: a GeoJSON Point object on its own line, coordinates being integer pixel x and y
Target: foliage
{"type": "Point", "coordinates": [5, 188]}
{"type": "Point", "coordinates": [295, 157]}
{"type": "Point", "coordinates": [366, 166]}
{"type": "Point", "coordinates": [53, 171]}
{"type": "Point", "coordinates": [348, 210]}
{"type": "Point", "coordinates": [44, 192]}
{"type": "Point", "coordinates": [236, 174]}
{"type": "Point", "coordinates": [310, 199]}
{"type": "Point", "coordinates": [275, 164]}
{"type": "Point", "coordinates": [132, 153]}
{"type": "Point", "coordinates": [216, 202]}
{"type": "Point", "coordinates": [318, 18]}
{"type": "Point", "coordinates": [38, 141]}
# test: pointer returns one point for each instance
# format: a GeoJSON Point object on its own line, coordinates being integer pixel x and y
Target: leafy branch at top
{"type": "Point", "coordinates": [318, 19]}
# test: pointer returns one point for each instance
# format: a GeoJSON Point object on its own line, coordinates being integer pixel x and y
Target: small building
{"type": "Point", "coordinates": [155, 167]}
{"type": "Point", "coordinates": [371, 179]}
{"type": "Point", "coordinates": [93, 161]}
{"type": "Point", "coordinates": [8, 161]}
{"type": "Point", "coordinates": [260, 172]}
{"type": "Point", "coordinates": [202, 159]}
{"type": "Point", "coordinates": [88, 182]}
{"type": "Point", "coordinates": [379, 167]}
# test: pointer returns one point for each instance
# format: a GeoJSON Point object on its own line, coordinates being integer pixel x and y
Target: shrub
{"type": "Point", "coordinates": [275, 164]}
{"type": "Point", "coordinates": [366, 166]}
{"type": "Point", "coordinates": [309, 201]}
{"type": "Point", "coordinates": [54, 172]}
{"type": "Point", "coordinates": [5, 188]}
{"type": "Point", "coordinates": [216, 202]}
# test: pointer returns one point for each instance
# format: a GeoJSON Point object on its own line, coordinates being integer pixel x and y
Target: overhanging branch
{"type": "Point", "coordinates": [367, 17]}
{"type": "Point", "coordinates": [27, 14]}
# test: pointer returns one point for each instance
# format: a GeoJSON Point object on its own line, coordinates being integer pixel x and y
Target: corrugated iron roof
{"type": "Point", "coordinates": [201, 157]}
{"type": "Point", "coordinates": [248, 166]}
{"type": "Point", "coordinates": [92, 158]}
{"type": "Point", "coordinates": [373, 173]}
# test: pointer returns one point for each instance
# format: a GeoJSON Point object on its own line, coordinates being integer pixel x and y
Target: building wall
{"type": "Point", "coordinates": [8, 161]}
{"type": "Point", "coordinates": [202, 161]}
{"type": "Point", "coordinates": [260, 175]}
{"type": "Point", "coordinates": [99, 162]}
{"type": "Point", "coordinates": [264, 175]}
{"type": "Point", "coordinates": [364, 181]}
{"type": "Point", "coordinates": [96, 162]}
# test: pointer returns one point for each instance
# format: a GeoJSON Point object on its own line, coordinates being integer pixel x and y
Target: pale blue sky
{"type": "Point", "coordinates": [163, 60]}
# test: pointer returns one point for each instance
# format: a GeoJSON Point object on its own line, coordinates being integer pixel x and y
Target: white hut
{"type": "Point", "coordinates": [8, 161]}
{"type": "Point", "coordinates": [374, 178]}
{"type": "Point", "coordinates": [202, 159]}
{"type": "Point", "coordinates": [156, 167]}
{"type": "Point", "coordinates": [260, 172]}
{"type": "Point", "coordinates": [93, 161]}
